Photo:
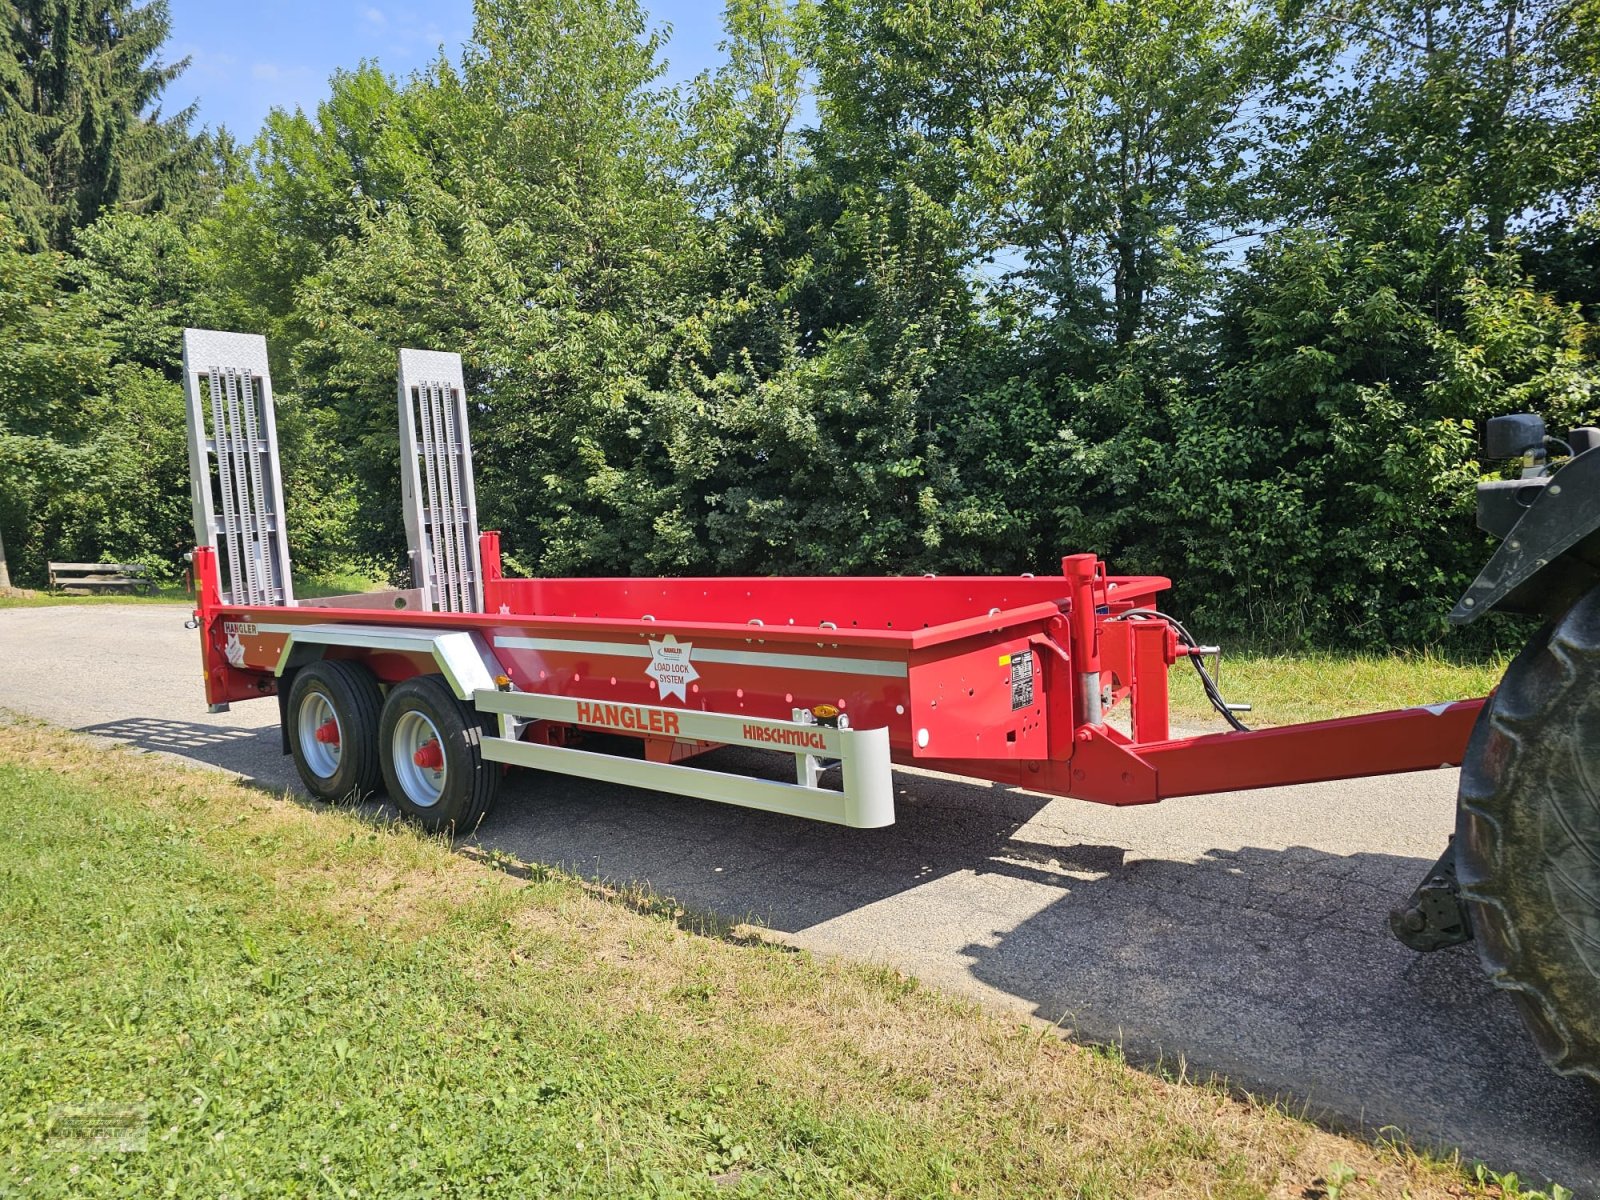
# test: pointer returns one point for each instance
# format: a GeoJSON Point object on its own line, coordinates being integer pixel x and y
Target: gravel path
{"type": "Point", "coordinates": [1244, 934]}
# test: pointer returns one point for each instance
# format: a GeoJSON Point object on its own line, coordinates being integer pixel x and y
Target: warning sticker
{"type": "Point", "coordinates": [670, 667]}
{"type": "Point", "coordinates": [233, 648]}
{"type": "Point", "coordinates": [1022, 680]}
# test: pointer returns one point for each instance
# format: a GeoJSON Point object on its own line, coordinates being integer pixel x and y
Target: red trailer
{"type": "Point", "coordinates": [1054, 683]}
{"type": "Point", "coordinates": [1018, 680]}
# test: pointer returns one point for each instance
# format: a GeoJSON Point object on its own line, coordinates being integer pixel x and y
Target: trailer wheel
{"type": "Point", "coordinates": [1528, 837]}
{"type": "Point", "coordinates": [333, 729]}
{"type": "Point", "coordinates": [432, 756]}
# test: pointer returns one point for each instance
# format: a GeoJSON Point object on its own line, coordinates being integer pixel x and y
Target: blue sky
{"type": "Point", "coordinates": [248, 58]}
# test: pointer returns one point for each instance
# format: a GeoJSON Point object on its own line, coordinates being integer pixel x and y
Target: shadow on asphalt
{"type": "Point", "coordinates": [232, 749]}
{"type": "Point", "coordinates": [1273, 967]}
{"type": "Point", "coordinates": [1286, 954]}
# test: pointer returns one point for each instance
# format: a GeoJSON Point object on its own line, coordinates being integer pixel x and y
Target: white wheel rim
{"type": "Point", "coordinates": [322, 757]}
{"type": "Point", "coordinates": [422, 785]}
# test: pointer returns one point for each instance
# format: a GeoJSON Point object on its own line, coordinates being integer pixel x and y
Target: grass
{"type": "Point", "coordinates": [306, 589]}
{"type": "Point", "coordinates": [1285, 688]}
{"type": "Point", "coordinates": [28, 598]}
{"type": "Point", "coordinates": [298, 1002]}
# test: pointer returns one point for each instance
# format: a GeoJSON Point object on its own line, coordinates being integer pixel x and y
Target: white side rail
{"type": "Point", "coordinates": [865, 801]}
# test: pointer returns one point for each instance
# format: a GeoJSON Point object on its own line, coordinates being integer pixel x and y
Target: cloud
{"type": "Point", "coordinates": [205, 63]}
{"type": "Point", "coordinates": [264, 70]}
{"type": "Point", "coordinates": [405, 31]}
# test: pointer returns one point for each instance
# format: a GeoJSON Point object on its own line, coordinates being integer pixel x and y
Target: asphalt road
{"type": "Point", "coordinates": [1244, 934]}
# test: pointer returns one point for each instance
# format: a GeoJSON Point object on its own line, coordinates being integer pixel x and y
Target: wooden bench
{"type": "Point", "coordinates": [89, 579]}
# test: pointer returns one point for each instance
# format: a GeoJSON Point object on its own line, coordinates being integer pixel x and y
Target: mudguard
{"type": "Point", "coordinates": [1550, 555]}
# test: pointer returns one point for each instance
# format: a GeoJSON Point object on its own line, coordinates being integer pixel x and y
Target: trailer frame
{"type": "Point", "coordinates": [486, 658]}
{"type": "Point", "coordinates": [1057, 683]}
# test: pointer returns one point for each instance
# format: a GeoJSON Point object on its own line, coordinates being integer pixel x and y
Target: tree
{"type": "Point", "coordinates": [526, 209]}
{"type": "Point", "coordinates": [81, 130]}
{"type": "Point", "coordinates": [1364, 341]}
{"type": "Point", "coordinates": [1102, 150]}
{"type": "Point", "coordinates": [1326, 481]}
{"type": "Point", "coordinates": [1472, 117]}
{"type": "Point", "coordinates": [92, 446]}
{"type": "Point", "coordinates": [1146, 161]}
{"type": "Point", "coordinates": [898, 287]}
{"type": "Point", "coordinates": [750, 172]}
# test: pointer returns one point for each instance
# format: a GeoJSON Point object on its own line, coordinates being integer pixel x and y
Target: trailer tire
{"type": "Point", "coordinates": [451, 789]}
{"type": "Point", "coordinates": [346, 694]}
{"type": "Point", "coordinates": [1528, 837]}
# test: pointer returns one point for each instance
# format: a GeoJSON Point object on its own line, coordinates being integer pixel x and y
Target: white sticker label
{"type": "Point", "coordinates": [670, 667]}
{"type": "Point", "coordinates": [233, 648]}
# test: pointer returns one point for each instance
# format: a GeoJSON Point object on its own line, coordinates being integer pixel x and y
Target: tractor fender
{"type": "Point", "coordinates": [1550, 555]}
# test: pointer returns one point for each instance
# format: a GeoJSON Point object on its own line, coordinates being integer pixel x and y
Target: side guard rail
{"type": "Point", "coordinates": [865, 800]}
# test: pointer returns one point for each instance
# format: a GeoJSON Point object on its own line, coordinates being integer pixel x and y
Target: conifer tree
{"type": "Point", "coordinates": [81, 128]}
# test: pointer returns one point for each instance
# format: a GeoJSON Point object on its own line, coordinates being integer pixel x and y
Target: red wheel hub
{"type": "Point", "coordinates": [430, 757]}
{"type": "Point", "coordinates": [328, 733]}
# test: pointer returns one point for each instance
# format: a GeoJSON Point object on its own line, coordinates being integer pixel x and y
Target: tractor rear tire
{"type": "Point", "coordinates": [1528, 837]}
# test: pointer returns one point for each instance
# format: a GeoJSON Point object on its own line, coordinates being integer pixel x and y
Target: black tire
{"type": "Point", "coordinates": [1528, 837]}
{"type": "Point", "coordinates": [465, 784]}
{"type": "Point", "coordinates": [347, 693]}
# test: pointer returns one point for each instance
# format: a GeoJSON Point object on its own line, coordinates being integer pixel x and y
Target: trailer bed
{"type": "Point", "coordinates": [941, 662]}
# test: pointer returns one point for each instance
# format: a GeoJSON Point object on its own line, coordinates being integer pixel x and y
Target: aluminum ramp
{"type": "Point", "coordinates": [441, 505]}
{"type": "Point", "coordinates": [230, 420]}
